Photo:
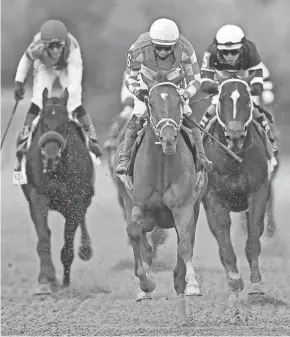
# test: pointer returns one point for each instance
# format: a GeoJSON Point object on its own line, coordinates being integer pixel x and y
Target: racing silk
{"type": "Point", "coordinates": [141, 60]}
{"type": "Point", "coordinates": [214, 68]}
{"type": "Point", "coordinates": [70, 58]}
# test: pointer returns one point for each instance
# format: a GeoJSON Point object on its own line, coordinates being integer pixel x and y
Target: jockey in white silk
{"type": "Point", "coordinates": [54, 53]}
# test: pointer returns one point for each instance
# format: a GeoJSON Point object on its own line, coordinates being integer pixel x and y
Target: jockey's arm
{"type": "Point", "coordinates": [33, 52]}
{"type": "Point", "coordinates": [208, 84]}
{"type": "Point", "coordinates": [127, 98]}
{"type": "Point", "coordinates": [23, 68]}
{"type": "Point", "coordinates": [132, 71]}
{"type": "Point", "coordinates": [192, 72]}
{"type": "Point", "coordinates": [75, 70]}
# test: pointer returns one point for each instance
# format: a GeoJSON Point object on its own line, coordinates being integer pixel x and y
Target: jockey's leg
{"type": "Point", "coordinates": [43, 78]}
{"type": "Point", "coordinates": [89, 128]}
{"type": "Point", "coordinates": [117, 126]}
{"type": "Point", "coordinates": [21, 141]}
{"type": "Point", "coordinates": [209, 114]}
{"type": "Point", "coordinates": [262, 120]}
{"type": "Point", "coordinates": [134, 126]}
{"type": "Point", "coordinates": [75, 105]}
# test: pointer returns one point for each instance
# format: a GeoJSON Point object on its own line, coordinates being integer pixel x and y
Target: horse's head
{"type": "Point", "coordinates": [165, 114]}
{"type": "Point", "coordinates": [53, 125]}
{"type": "Point", "coordinates": [234, 111]}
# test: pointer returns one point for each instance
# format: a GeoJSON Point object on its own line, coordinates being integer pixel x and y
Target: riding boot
{"type": "Point", "coordinates": [88, 127]}
{"type": "Point", "coordinates": [21, 141]}
{"type": "Point", "coordinates": [114, 132]}
{"type": "Point", "coordinates": [209, 114]}
{"type": "Point", "coordinates": [205, 162]}
{"type": "Point", "coordinates": [130, 136]}
{"type": "Point", "coordinates": [262, 120]}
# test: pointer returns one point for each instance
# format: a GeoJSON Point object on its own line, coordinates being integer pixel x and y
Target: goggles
{"type": "Point", "coordinates": [230, 51]}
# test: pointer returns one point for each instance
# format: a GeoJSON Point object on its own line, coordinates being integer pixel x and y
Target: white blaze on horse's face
{"type": "Point", "coordinates": [53, 112]}
{"type": "Point", "coordinates": [234, 96]}
{"type": "Point", "coordinates": [164, 95]}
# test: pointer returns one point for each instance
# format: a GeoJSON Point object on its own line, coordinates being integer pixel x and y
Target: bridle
{"type": "Point", "coordinates": [158, 126]}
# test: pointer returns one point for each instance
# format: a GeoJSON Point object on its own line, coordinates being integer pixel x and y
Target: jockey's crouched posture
{"type": "Point", "coordinates": [162, 51]}
{"type": "Point", "coordinates": [232, 55]}
{"type": "Point", "coordinates": [55, 53]}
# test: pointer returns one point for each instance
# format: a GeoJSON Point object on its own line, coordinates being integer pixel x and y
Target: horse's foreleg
{"type": "Point", "coordinates": [135, 231]}
{"type": "Point", "coordinates": [218, 218]}
{"type": "Point", "coordinates": [73, 219]}
{"type": "Point", "coordinates": [185, 226]}
{"type": "Point", "coordinates": [39, 213]}
{"type": "Point", "coordinates": [85, 250]}
{"type": "Point", "coordinates": [257, 207]}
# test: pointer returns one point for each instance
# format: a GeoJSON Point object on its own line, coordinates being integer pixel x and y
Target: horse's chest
{"type": "Point", "coordinates": [230, 185]}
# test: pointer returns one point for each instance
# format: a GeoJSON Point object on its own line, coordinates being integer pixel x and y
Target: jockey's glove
{"type": "Point", "coordinates": [142, 94]}
{"type": "Point", "coordinates": [185, 95]}
{"type": "Point", "coordinates": [18, 90]}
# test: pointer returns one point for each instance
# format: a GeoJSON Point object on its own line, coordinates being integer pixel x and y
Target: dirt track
{"type": "Point", "coordinates": [101, 299]}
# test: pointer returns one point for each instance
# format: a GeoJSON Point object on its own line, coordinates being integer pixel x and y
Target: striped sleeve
{"type": "Point", "coordinates": [191, 68]}
{"type": "Point", "coordinates": [133, 70]}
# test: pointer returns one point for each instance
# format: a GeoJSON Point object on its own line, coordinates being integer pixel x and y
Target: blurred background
{"type": "Point", "coordinates": [107, 28]}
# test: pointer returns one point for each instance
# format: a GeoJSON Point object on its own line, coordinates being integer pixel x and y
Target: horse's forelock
{"type": "Point", "coordinates": [230, 85]}
{"type": "Point", "coordinates": [165, 92]}
{"type": "Point", "coordinates": [234, 90]}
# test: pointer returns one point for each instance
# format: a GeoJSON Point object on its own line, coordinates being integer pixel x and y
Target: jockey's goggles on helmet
{"type": "Point", "coordinates": [230, 51]}
{"type": "Point", "coordinates": [58, 45]}
{"type": "Point", "coordinates": [159, 47]}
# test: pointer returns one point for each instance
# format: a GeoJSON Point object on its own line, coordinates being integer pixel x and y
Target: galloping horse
{"type": "Point", "coordinates": [166, 192]}
{"type": "Point", "coordinates": [60, 177]}
{"type": "Point", "coordinates": [234, 186]}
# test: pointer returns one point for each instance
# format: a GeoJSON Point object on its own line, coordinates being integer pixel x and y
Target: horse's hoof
{"type": "Point", "coordinates": [85, 253]}
{"type": "Point", "coordinates": [141, 295]}
{"type": "Point", "coordinates": [236, 285]}
{"type": "Point", "coordinates": [42, 289]}
{"type": "Point", "coordinates": [256, 289]}
{"type": "Point", "coordinates": [182, 322]}
{"type": "Point", "coordinates": [148, 285]}
{"type": "Point", "coordinates": [193, 290]}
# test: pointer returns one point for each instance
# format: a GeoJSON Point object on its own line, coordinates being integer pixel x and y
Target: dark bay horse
{"type": "Point", "coordinates": [166, 192]}
{"type": "Point", "coordinates": [234, 186]}
{"type": "Point", "coordinates": [60, 177]}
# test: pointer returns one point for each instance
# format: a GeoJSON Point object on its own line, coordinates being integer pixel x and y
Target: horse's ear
{"type": "Point", "coordinates": [64, 96]}
{"type": "Point", "coordinates": [44, 96]}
